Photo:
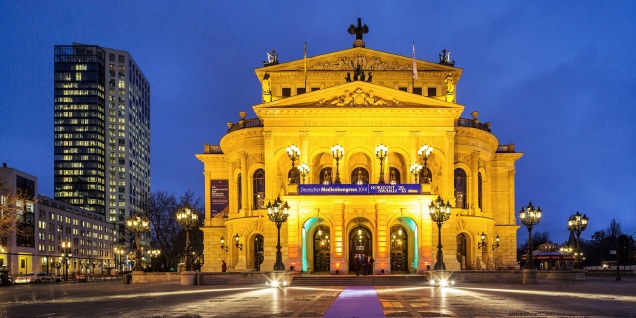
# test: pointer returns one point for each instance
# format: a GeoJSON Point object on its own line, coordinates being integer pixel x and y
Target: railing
{"type": "Point", "coordinates": [472, 123]}
{"type": "Point", "coordinates": [506, 148]}
{"type": "Point", "coordinates": [245, 123]}
{"type": "Point", "coordinates": [212, 149]}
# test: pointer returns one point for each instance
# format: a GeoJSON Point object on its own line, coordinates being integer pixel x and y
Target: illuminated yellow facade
{"type": "Point", "coordinates": [359, 98]}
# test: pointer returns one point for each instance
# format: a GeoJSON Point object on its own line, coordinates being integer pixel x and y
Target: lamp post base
{"type": "Point", "coordinates": [530, 276]}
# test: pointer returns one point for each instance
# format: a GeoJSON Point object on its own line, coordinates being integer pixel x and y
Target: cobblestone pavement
{"type": "Point", "coordinates": [596, 297]}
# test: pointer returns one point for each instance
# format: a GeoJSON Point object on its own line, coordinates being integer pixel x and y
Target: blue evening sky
{"type": "Point", "coordinates": [556, 78]}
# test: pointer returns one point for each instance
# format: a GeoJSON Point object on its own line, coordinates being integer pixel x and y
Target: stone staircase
{"type": "Point", "coordinates": [353, 280]}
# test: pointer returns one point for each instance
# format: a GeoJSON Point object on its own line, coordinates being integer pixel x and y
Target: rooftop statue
{"type": "Point", "coordinates": [358, 31]}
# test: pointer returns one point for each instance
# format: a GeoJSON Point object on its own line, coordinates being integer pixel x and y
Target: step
{"type": "Point", "coordinates": [352, 280]}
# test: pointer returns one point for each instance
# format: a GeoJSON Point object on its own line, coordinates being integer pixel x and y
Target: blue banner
{"type": "Point", "coordinates": [359, 189]}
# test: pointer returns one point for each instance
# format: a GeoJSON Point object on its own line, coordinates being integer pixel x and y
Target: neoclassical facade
{"type": "Point", "coordinates": [364, 202]}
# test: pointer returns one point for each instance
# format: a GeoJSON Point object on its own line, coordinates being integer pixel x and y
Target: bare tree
{"type": "Point", "coordinates": [166, 232]}
{"type": "Point", "coordinates": [13, 212]}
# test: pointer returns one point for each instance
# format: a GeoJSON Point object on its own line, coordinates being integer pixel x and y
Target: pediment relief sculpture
{"type": "Point", "coordinates": [372, 63]}
{"type": "Point", "coordinates": [358, 98]}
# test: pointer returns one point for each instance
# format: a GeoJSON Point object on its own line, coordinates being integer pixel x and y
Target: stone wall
{"type": "Point", "coordinates": [143, 277]}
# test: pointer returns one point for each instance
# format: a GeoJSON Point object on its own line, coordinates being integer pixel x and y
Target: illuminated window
{"type": "Point", "coordinates": [460, 188]}
{"type": "Point", "coordinates": [258, 188]}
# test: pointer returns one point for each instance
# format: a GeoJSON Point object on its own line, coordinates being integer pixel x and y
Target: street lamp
{"type": "Point", "coordinates": [439, 213]}
{"type": "Point", "coordinates": [380, 153]}
{"type": "Point", "coordinates": [424, 153]}
{"type": "Point", "coordinates": [278, 213]}
{"type": "Point", "coordinates": [66, 254]}
{"type": "Point", "coordinates": [415, 170]}
{"type": "Point", "coordinates": [337, 151]}
{"type": "Point", "coordinates": [237, 238]}
{"type": "Point", "coordinates": [482, 244]}
{"type": "Point", "coordinates": [294, 153]}
{"type": "Point", "coordinates": [138, 224]}
{"type": "Point", "coordinates": [496, 245]}
{"type": "Point", "coordinates": [223, 246]}
{"type": "Point", "coordinates": [304, 170]}
{"type": "Point", "coordinates": [119, 251]}
{"type": "Point", "coordinates": [578, 224]}
{"type": "Point", "coordinates": [187, 218]}
{"type": "Point", "coordinates": [153, 253]}
{"type": "Point", "coordinates": [530, 217]}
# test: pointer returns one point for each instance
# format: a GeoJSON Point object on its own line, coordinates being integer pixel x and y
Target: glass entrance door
{"type": "Point", "coordinates": [259, 251]}
{"type": "Point", "coordinates": [399, 249]}
{"type": "Point", "coordinates": [360, 244]}
{"type": "Point", "coordinates": [322, 253]}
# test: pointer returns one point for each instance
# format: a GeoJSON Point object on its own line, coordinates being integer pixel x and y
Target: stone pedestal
{"type": "Point", "coordinates": [188, 278]}
{"type": "Point", "coordinates": [529, 276]}
{"type": "Point", "coordinates": [292, 188]}
{"type": "Point", "coordinates": [426, 188]}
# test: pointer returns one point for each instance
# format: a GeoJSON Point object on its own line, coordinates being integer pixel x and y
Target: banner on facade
{"type": "Point", "coordinates": [359, 189]}
{"type": "Point", "coordinates": [219, 195]}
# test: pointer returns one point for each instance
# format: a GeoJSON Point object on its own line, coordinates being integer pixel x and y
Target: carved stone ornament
{"type": "Point", "coordinates": [359, 98]}
{"type": "Point", "coordinates": [372, 63]}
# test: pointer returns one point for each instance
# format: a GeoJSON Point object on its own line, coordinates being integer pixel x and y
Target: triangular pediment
{"type": "Point", "coordinates": [358, 94]}
{"type": "Point", "coordinates": [347, 60]}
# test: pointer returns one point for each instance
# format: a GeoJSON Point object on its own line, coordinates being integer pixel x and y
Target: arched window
{"type": "Point", "coordinates": [359, 176]}
{"type": "Point", "coordinates": [258, 188]}
{"type": "Point", "coordinates": [394, 175]}
{"type": "Point", "coordinates": [325, 176]}
{"type": "Point", "coordinates": [425, 176]}
{"type": "Point", "coordinates": [295, 174]}
{"type": "Point", "coordinates": [239, 192]}
{"type": "Point", "coordinates": [479, 193]}
{"type": "Point", "coordinates": [460, 189]}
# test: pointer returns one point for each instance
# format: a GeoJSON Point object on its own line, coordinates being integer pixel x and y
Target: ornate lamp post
{"type": "Point", "coordinates": [278, 213]}
{"type": "Point", "coordinates": [415, 170]}
{"type": "Point", "coordinates": [578, 224]}
{"type": "Point", "coordinates": [66, 255]}
{"type": "Point", "coordinates": [380, 152]}
{"type": "Point", "coordinates": [530, 217]}
{"type": "Point", "coordinates": [440, 213]}
{"type": "Point", "coordinates": [138, 224]}
{"type": "Point", "coordinates": [304, 170]}
{"type": "Point", "coordinates": [294, 153]}
{"type": "Point", "coordinates": [337, 151]}
{"type": "Point", "coordinates": [424, 153]}
{"type": "Point", "coordinates": [188, 219]}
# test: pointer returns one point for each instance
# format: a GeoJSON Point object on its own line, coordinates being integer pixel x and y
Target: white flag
{"type": "Point", "coordinates": [414, 63]}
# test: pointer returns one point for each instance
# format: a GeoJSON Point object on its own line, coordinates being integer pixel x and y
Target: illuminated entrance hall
{"type": "Point", "coordinates": [356, 147]}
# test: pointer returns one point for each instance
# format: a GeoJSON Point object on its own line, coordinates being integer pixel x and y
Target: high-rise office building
{"type": "Point", "coordinates": [102, 131]}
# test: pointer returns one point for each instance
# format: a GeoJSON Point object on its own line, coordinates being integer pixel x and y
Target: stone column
{"type": "Point", "coordinates": [474, 183]}
{"type": "Point", "coordinates": [207, 176]}
{"type": "Point", "coordinates": [244, 184]}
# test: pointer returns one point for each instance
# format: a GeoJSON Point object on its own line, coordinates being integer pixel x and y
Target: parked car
{"type": "Point", "coordinates": [34, 278]}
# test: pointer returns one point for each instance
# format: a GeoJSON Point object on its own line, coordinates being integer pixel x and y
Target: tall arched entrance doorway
{"type": "Point", "coordinates": [259, 251]}
{"type": "Point", "coordinates": [360, 244]}
{"type": "Point", "coordinates": [399, 250]}
{"type": "Point", "coordinates": [322, 254]}
{"type": "Point", "coordinates": [461, 250]}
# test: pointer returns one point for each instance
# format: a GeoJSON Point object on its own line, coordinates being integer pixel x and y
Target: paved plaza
{"type": "Point", "coordinates": [596, 297]}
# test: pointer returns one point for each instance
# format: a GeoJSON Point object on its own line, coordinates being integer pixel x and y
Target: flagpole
{"type": "Point", "coordinates": [305, 62]}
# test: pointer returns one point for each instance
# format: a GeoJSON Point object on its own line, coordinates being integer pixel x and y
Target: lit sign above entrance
{"type": "Point", "coordinates": [359, 189]}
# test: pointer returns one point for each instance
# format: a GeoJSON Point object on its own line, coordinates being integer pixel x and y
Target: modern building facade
{"type": "Point", "coordinates": [102, 132]}
{"type": "Point", "coordinates": [44, 224]}
{"type": "Point", "coordinates": [359, 119]}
